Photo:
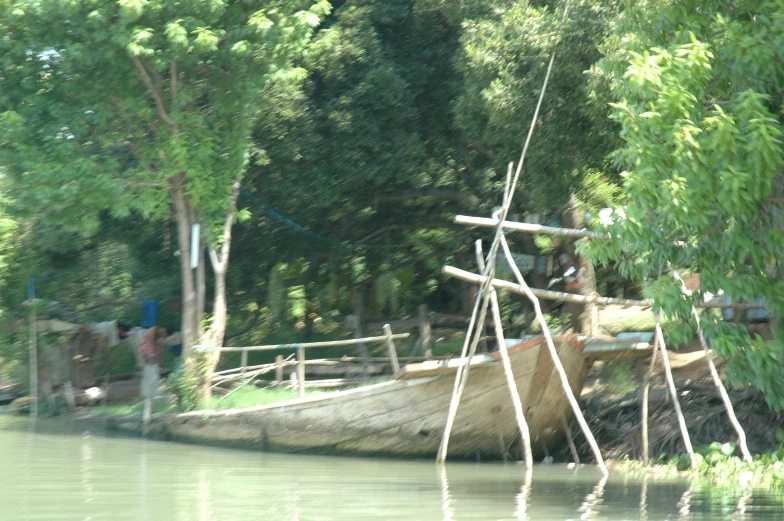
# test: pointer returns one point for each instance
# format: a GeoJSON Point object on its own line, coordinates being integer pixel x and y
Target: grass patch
{"type": "Point", "coordinates": [617, 376]}
{"type": "Point", "coordinates": [158, 407]}
{"type": "Point", "coordinates": [250, 396]}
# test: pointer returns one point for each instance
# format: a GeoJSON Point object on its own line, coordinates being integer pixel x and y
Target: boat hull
{"type": "Point", "coordinates": [406, 418]}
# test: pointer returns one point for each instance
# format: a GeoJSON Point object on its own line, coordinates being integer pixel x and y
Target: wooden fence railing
{"type": "Point", "coordinates": [388, 338]}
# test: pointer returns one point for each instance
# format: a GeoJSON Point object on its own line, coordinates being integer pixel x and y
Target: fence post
{"type": "Point", "coordinates": [244, 360]}
{"type": "Point", "coordinates": [301, 370]}
{"type": "Point", "coordinates": [425, 332]}
{"type": "Point", "coordinates": [391, 348]}
{"type": "Point", "coordinates": [279, 369]}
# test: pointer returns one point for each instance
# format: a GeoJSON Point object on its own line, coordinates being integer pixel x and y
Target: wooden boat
{"type": "Point", "coordinates": [405, 417]}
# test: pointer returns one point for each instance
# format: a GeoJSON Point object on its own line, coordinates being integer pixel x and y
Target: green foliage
{"type": "Point", "coordinates": [505, 55]}
{"type": "Point", "coordinates": [618, 376]}
{"type": "Point", "coordinates": [557, 324]}
{"type": "Point", "coordinates": [251, 396]}
{"type": "Point", "coordinates": [701, 160]}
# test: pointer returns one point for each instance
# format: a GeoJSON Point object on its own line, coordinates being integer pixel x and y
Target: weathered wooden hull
{"type": "Point", "coordinates": [404, 418]}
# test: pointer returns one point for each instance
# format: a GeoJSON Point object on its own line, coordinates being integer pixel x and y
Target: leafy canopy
{"type": "Point", "coordinates": [104, 103]}
{"type": "Point", "coordinates": [700, 114]}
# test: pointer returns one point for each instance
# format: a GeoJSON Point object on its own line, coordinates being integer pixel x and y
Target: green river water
{"type": "Point", "coordinates": [62, 472]}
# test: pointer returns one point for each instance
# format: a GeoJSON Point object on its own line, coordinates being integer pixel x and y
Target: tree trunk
{"type": "Point", "coordinates": [220, 265]}
{"type": "Point", "coordinates": [182, 215]}
{"type": "Point", "coordinates": [217, 328]}
{"type": "Point", "coordinates": [201, 290]}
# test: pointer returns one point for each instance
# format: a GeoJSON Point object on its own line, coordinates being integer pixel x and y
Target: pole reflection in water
{"type": "Point", "coordinates": [744, 502]}
{"type": "Point", "coordinates": [524, 497]}
{"type": "Point", "coordinates": [205, 500]}
{"type": "Point", "coordinates": [644, 498]}
{"type": "Point", "coordinates": [144, 486]}
{"type": "Point", "coordinates": [446, 499]}
{"type": "Point", "coordinates": [86, 452]}
{"type": "Point", "coordinates": [590, 507]}
{"type": "Point", "coordinates": [684, 504]}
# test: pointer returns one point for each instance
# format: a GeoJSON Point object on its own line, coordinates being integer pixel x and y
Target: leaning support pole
{"type": "Point", "coordinates": [570, 440]}
{"type": "Point", "coordinates": [489, 269]}
{"type": "Point", "coordinates": [717, 380]}
{"type": "Point", "coordinates": [556, 360]}
{"type": "Point", "coordinates": [475, 329]}
{"type": "Point", "coordinates": [518, 404]}
{"type": "Point", "coordinates": [674, 393]}
{"type": "Point", "coordinates": [644, 419]}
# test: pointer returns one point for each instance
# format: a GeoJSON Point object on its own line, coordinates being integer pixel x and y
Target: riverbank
{"type": "Point", "coordinates": [612, 404]}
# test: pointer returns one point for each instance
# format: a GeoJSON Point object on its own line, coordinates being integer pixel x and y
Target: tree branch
{"type": "Point", "coordinates": [235, 194]}
{"type": "Point", "coordinates": [157, 96]}
{"type": "Point", "coordinates": [220, 260]}
{"type": "Point", "coordinates": [141, 184]}
{"type": "Point", "coordinates": [173, 80]}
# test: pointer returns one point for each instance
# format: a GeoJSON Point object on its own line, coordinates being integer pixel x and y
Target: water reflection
{"type": "Point", "coordinates": [52, 476]}
{"type": "Point", "coordinates": [446, 500]}
{"type": "Point", "coordinates": [521, 513]}
{"type": "Point", "coordinates": [644, 498]}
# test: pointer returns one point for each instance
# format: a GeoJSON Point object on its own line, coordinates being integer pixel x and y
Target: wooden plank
{"type": "Point", "coordinates": [391, 349]}
{"type": "Point", "coordinates": [439, 367]}
{"type": "Point", "coordinates": [332, 343]}
{"type": "Point", "coordinates": [473, 278]}
{"type": "Point", "coordinates": [617, 350]}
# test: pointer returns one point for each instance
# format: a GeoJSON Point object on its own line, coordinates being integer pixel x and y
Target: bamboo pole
{"type": "Point", "coordinates": [489, 268]}
{"type": "Point", "coordinates": [716, 379]}
{"type": "Point", "coordinates": [301, 370]}
{"type": "Point", "coordinates": [391, 349]}
{"type": "Point", "coordinates": [559, 296]}
{"type": "Point", "coordinates": [644, 419]}
{"type": "Point", "coordinates": [475, 328]}
{"type": "Point", "coordinates": [461, 376]}
{"type": "Point", "coordinates": [522, 425]}
{"type": "Point", "coordinates": [578, 414]}
{"type": "Point", "coordinates": [674, 393]}
{"type": "Point", "coordinates": [531, 228]}
{"type": "Point", "coordinates": [570, 440]}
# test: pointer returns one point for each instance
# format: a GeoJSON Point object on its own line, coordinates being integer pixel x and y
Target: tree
{"type": "Point", "coordinates": [143, 105]}
{"type": "Point", "coordinates": [697, 92]}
